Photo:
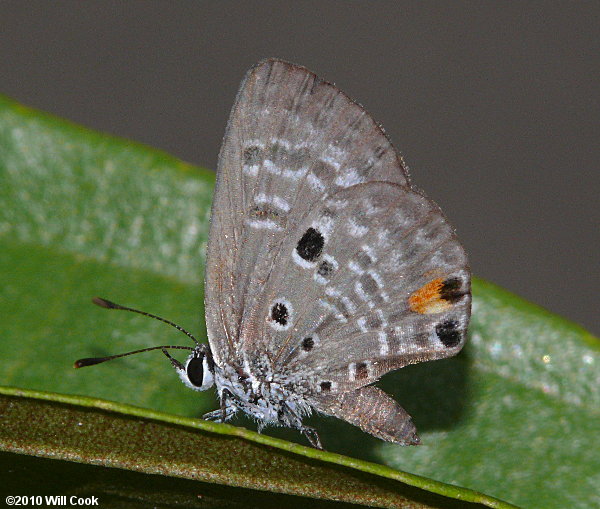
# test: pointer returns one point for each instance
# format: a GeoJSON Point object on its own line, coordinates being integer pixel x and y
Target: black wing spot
{"type": "Point", "coordinates": [280, 314]}
{"type": "Point", "coordinates": [308, 344]}
{"type": "Point", "coordinates": [310, 246]}
{"type": "Point", "coordinates": [448, 333]}
{"type": "Point", "coordinates": [451, 290]}
{"type": "Point", "coordinates": [325, 386]}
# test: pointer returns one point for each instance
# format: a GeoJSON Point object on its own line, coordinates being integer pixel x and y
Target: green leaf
{"type": "Point", "coordinates": [82, 214]}
{"type": "Point", "coordinates": [195, 449]}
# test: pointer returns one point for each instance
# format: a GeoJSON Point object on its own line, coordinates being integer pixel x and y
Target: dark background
{"type": "Point", "coordinates": [494, 105]}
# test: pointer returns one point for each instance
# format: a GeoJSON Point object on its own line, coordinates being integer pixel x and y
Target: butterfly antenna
{"type": "Point", "coordinates": [104, 303]}
{"type": "Point", "coordinates": [91, 361]}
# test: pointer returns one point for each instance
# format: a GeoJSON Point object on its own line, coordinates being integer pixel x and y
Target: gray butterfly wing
{"type": "Point", "coordinates": [292, 139]}
{"type": "Point", "coordinates": [389, 286]}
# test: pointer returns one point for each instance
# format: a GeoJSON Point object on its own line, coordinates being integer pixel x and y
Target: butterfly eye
{"type": "Point", "coordinates": [198, 372]}
{"type": "Point", "coordinates": [195, 371]}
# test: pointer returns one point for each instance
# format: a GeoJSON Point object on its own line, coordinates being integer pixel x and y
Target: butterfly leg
{"type": "Point", "coordinates": [226, 412]}
{"type": "Point", "coordinates": [288, 417]}
{"type": "Point", "coordinates": [312, 435]}
{"type": "Point", "coordinates": [217, 415]}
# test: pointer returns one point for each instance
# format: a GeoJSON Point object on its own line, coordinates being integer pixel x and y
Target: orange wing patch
{"type": "Point", "coordinates": [435, 296]}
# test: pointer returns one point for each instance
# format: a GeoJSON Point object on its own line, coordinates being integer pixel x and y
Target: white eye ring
{"type": "Point", "coordinates": [197, 373]}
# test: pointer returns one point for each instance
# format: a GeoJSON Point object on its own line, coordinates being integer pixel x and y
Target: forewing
{"type": "Point", "coordinates": [292, 140]}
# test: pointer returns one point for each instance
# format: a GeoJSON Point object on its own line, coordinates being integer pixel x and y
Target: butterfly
{"type": "Point", "coordinates": [326, 269]}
